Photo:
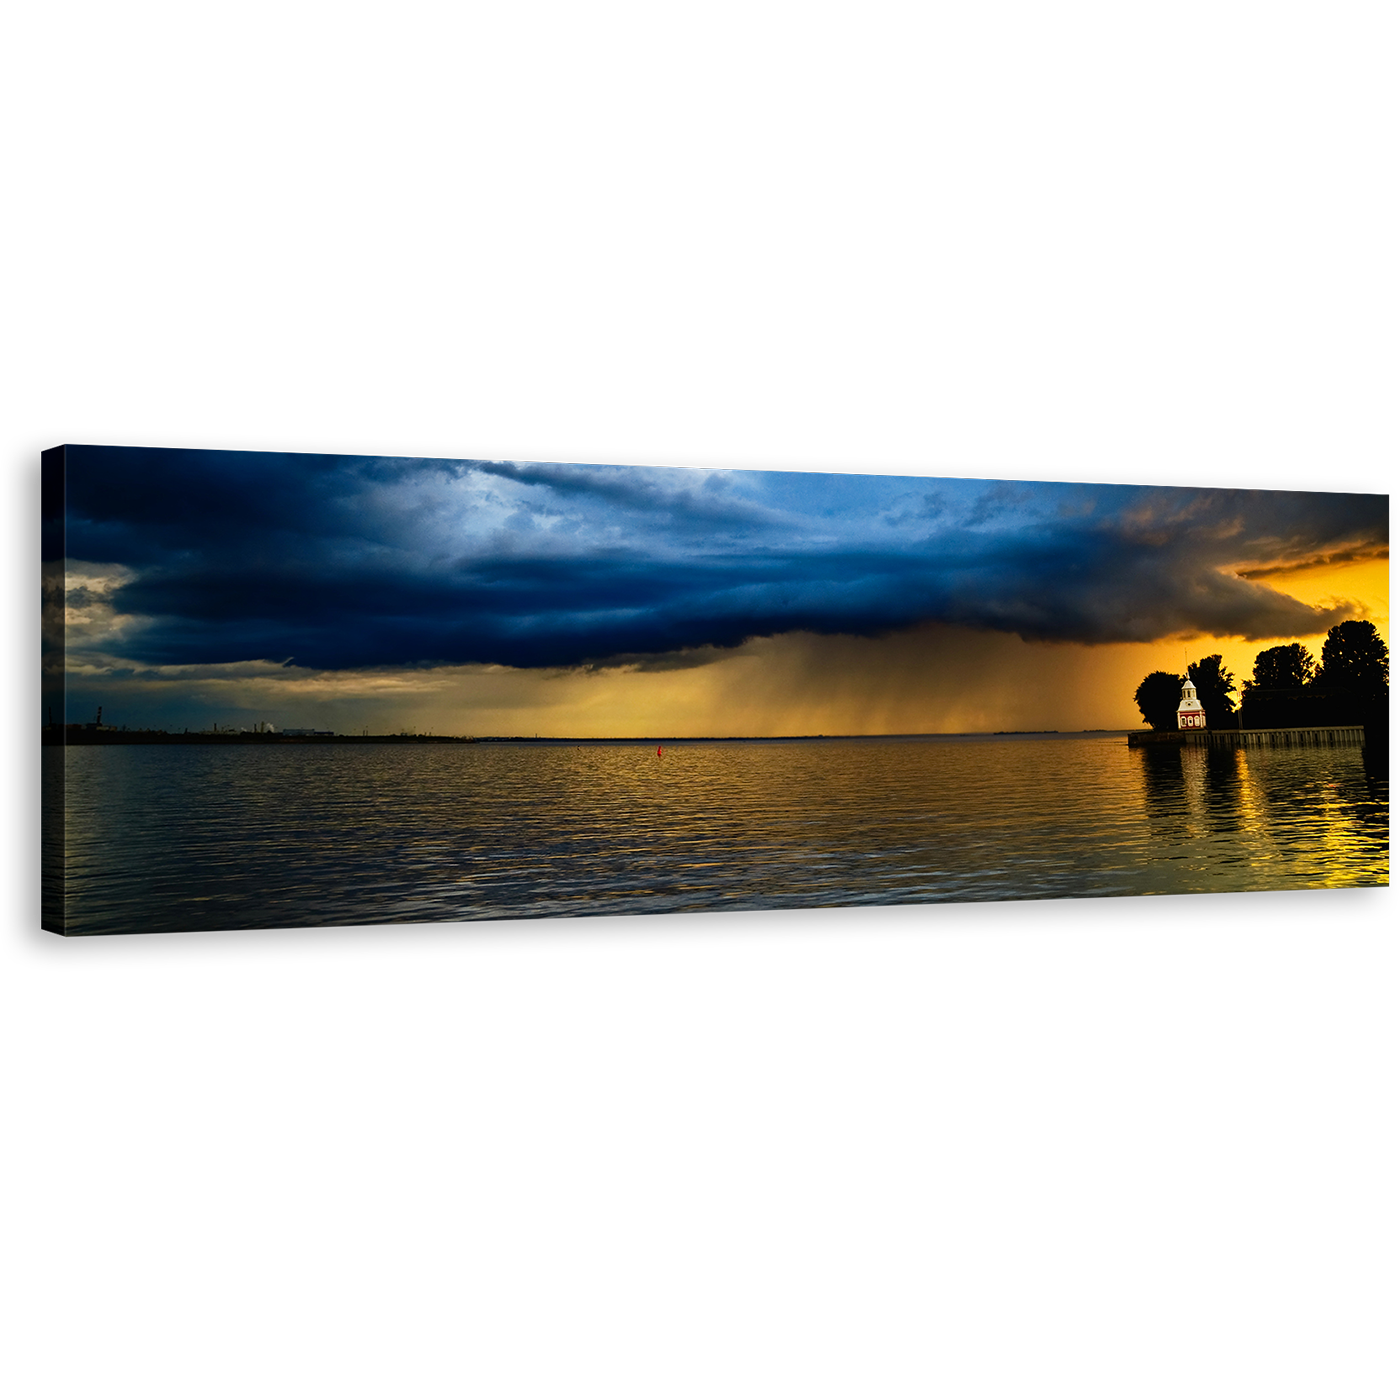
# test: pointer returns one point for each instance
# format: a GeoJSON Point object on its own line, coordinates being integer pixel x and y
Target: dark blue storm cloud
{"type": "Point", "coordinates": [335, 562]}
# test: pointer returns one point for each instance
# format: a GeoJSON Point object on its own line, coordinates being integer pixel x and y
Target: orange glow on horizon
{"type": "Point", "coordinates": [930, 679]}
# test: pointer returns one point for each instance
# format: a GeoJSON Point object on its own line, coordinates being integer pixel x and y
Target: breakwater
{"type": "Point", "coordinates": [1312, 736]}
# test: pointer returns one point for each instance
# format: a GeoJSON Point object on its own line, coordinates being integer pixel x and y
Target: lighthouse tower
{"type": "Point", "coordinates": [1189, 714]}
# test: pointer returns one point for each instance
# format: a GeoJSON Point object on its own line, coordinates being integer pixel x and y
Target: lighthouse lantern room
{"type": "Point", "coordinates": [1189, 714]}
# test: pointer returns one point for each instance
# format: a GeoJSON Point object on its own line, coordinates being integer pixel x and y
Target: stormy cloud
{"type": "Point", "coordinates": [353, 562]}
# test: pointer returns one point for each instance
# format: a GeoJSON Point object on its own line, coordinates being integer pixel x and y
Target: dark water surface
{"type": "Point", "coordinates": [195, 837]}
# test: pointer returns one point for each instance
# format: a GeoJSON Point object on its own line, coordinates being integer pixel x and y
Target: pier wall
{"type": "Point", "coordinates": [1312, 736]}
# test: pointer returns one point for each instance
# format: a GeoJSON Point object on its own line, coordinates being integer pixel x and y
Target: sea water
{"type": "Point", "coordinates": [213, 837]}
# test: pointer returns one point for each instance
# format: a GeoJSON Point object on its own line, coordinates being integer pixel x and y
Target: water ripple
{"type": "Point", "coordinates": [195, 837]}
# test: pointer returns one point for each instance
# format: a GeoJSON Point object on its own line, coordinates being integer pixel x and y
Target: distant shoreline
{"type": "Point", "coordinates": [90, 738]}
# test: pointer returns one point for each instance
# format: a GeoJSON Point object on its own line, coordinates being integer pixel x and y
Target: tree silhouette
{"type": "Point", "coordinates": [1282, 668]}
{"type": "Point", "coordinates": [1213, 686]}
{"type": "Point", "coordinates": [1157, 697]}
{"type": "Point", "coordinates": [1355, 658]}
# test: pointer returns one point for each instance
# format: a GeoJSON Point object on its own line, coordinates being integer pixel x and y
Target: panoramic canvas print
{"type": "Point", "coordinates": [284, 690]}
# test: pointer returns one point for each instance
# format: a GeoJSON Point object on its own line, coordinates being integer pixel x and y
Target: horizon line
{"type": "Point", "coordinates": [591, 738]}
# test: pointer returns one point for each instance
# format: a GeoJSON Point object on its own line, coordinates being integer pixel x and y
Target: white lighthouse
{"type": "Point", "coordinates": [1189, 714]}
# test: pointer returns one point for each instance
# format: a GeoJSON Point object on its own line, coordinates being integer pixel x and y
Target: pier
{"type": "Point", "coordinates": [1311, 736]}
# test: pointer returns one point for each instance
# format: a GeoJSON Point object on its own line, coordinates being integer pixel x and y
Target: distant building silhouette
{"type": "Point", "coordinates": [95, 724]}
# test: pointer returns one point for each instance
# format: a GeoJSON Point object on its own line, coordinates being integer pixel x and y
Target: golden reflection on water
{"type": "Point", "coordinates": [1268, 818]}
{"type": "Point", "coordinates": [209, 837]}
